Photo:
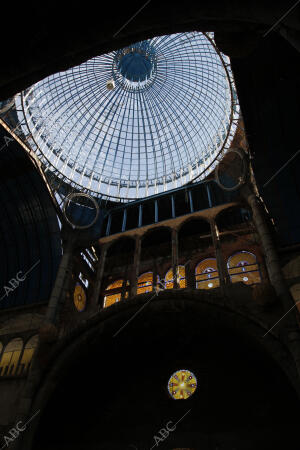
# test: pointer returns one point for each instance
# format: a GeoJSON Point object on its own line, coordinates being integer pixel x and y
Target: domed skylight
{"type": "Point", "coordinates": [136, 121]}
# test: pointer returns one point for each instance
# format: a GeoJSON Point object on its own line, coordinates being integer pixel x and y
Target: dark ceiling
{"type": "Point", "coordinates": [47, 38]}
{"type": "Point", "coordinates": [30, 244]}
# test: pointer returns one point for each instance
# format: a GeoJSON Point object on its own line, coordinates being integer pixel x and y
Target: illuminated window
{"type": "Point", "coordinates": [243, 267]}
{"type": "Point", "coordinates": [28, 354]}
{"type": "Point", "coordinates": [145, 283]}
{"type": "Point", "coordinates": [116, 293]}
{"type": "Point", "coordinates": [79, 298]}
{"type": "Point", "coordinates": [207, 276]}
{"type": "Point", "coordinates": [182, 384]}
{"type": "Point", "coordinates": [84, 281]}
{"type": "Point", "coordinates": [181, 281]}
{"type": "Point", "coordinates": [10, 357]}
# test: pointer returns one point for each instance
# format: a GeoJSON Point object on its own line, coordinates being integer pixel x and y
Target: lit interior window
{"type": "Point", "coordinates": [207, 276]}
{"type": "Point", "coordinates": [84, 281]}
{"type": "Point", "coordinates": [79, 297]}
{"type": "Point", "coordinates": [28, 354]}
{"type": "Point", "coordinates": [10, 357]}
{"type": "Point", "coordinates": [116, 293]}
{"type": "Point", "coordinates": [145, 283]}
{"type": "Point", "coordinates": [182, 384]}
{"type": "Point", "coordinates": [181, 281]}
{"type": "Point", "coordinates": [243, 267]}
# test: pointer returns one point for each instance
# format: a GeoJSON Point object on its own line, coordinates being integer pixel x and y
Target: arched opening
{"type": "Point", "coordinates": [206, 274]}
{"type": "Point", "coordinates": [243, 267]}
{"type": "Point", "coordinates": [194, 236]}
{"type": "Point", "coordinates": [180, 276]}
{"type": "Point", "coordinates": [235, 405]}
{"type": "Point", "coordinates": [156, 243]}
{"type": "Point", "coordinates": [145, 283]}
{"type": "Point", "coordinates": [234, 218]}
{"type": "Point", "coordinates": [113, 292]}
{"type": "Point", "coordinates": [10, 357]}
{"type": "Point", "coordinates": [120, 253]}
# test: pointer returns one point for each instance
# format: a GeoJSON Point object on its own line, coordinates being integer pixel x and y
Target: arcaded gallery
{"type": "Point", "coordinates": [150, 227]}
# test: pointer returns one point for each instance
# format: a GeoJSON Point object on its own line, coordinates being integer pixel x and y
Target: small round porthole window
{"type": "Point", "coordinates": [79, 298]}
{"type": "Point", "coordinates": [182, 384]}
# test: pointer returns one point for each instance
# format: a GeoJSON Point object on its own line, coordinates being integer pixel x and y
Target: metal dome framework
{"type": "Point", "coordinates": [171, 116]}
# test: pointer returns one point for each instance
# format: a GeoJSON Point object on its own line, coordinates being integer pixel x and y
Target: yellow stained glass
{"type": "Point", "coordinates": [28, 354]}
{"type": "Point", "coordinates": [145, 283]}
{"type": "Point", "coordinates": [182, 384]}
{"type": "Point", "coordinates": [181, 281]}
{"type": "Point", "coordinates": [207, 275]}
{"type": "Point", "coordinates": [79, 297]}
{"type": "Point", "coordinates": [110, 299]}
{"type": "Point", "coordinates": [243, 267]}
{"type": "Point", "coordinates": [10, 357]}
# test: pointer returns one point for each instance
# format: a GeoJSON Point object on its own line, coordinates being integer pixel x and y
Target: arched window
{"type": "Point", "coordinates": [28, 354]}
{"type": "Point", "coordinates": [243, 267]}
{"type": "Point", "coordinates": [145, 283]}
{"type": "Point", "coordinates": [181, 281]}
{"type": "Point", "coordinates": [113, 293]}
{"type": "Point", "coordinates": [207, 275]}
{"type": "Point", "coordinates": [10, 357]}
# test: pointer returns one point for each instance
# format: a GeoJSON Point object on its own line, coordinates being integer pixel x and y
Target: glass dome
{"type": "Point", "coordinates": [137, 121]}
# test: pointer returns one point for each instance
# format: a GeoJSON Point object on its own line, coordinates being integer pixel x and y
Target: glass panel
{"type": "Point", "coordinates": [207, 275]}
{"type": "Point", "coordinates": [145, 283]}
{"type": "Point", "coordinates": [243, 267]}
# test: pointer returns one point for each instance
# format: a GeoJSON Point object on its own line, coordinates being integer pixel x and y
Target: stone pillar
{"type": "Point", "coordinates": [270, 253]}
{"type": "Point", "coordinates": [99, 277]}
{"type": "Point", "coordinates": [61, 283]}
{"type": "Point", "coordinates": [288, 327]}
{"type": "Point", "coordinates": [136, 266]}
{"type": "Point", "coordinates": [175, 257]}
{"type": "Point", "coordinates": [190, 275]}
{"type": "Point", "coordinates": [221, 265]}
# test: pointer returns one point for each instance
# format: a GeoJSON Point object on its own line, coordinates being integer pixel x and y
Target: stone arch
{"type": "Point", "coordinates": [194, 236]}
{"type": "Point", "coordinates": [233, 217]}
{"type": "Point", "coordinates": [207, 315]}
{"type": "Point", "coordinates": [120, 252]}
{"type": "Point", "coordinates": [155, 243]}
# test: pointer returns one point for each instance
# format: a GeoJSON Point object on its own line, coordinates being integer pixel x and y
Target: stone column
{"type": "Point", "coordinates": [61, 283]}
{"type": "Point", "coordinates": [99, 277]}
{"type": "Point", "coordinates": [221, 265]}
{"type": "Point", "coordinates": [136, 266]}
{"type": "Point", "coordinates": [270, 253]}
{"type": "Point", "coordinates": [288, 327]}
{"type": "Point", "coordinates": [175, 257]}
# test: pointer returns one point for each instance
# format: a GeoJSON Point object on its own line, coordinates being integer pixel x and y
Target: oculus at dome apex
{"type": "Point", "coordinates": [170, 112]}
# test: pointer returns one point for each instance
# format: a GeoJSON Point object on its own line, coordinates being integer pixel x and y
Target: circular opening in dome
{"type": "Point", "coordinates": [80, 210]}
{"type": "Point", "coordinates": [137, 62]}
{"type": "Point", "coordinates": [136, 121]}
{"type": "Point", "coordinates": [182, 384]}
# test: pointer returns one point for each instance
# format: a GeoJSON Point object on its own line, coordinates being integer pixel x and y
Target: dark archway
{"type": "Point", "coordinates": [112, 392]}
{"type": "Point", "coordinates": [235, 217]}
{"type": "Point", "coordinates": [194, 236]}
{"type": "Point", "coordinates": [156, 243]}
{"type": "Point", "coordinates": [120, 253]}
